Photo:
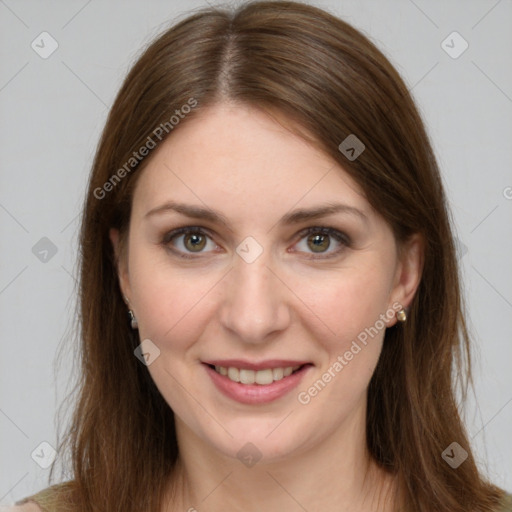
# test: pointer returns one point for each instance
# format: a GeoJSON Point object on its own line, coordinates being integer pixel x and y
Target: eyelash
{"type": "Point", "coordinates": [340, 237]}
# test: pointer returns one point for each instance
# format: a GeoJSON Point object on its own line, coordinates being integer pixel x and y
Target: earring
{"type": "Point", "coordinates": [133, 320]}
{"type": "Point", "coordinates": [401, 316]}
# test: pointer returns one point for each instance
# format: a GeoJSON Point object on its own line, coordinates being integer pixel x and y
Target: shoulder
{"type": "Point", "coordinates": [506, 504]}
{"type": "Point", "coordinates": [26, 507]}
{"type": "Point", "coordinates": [56, 498]}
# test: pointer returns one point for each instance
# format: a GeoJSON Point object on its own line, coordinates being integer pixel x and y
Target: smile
{"type": "Point", "coordinates": [251, 383]}
{"type": "Point", "coordinates": [261, 377]}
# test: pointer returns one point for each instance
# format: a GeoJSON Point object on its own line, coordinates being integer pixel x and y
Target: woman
{"type": "Point", "coordinates": [266, 207]}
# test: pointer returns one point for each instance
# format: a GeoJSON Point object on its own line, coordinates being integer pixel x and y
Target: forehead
{"type": "Point", "coordinates": [243, 161]}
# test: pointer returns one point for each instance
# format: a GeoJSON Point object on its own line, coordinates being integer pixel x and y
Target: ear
{"type": "Point", "coordinates": [121, 263]}
{"type": "Point", "coordinates": [408, 272]}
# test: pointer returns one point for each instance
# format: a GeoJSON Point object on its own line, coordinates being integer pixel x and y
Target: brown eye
{"type": "Point", "coordinates": [319, 242]}
{"type": "Point", "coordinates": [194, 242]}
{"type": "Point", "coordinates": [190, 242]}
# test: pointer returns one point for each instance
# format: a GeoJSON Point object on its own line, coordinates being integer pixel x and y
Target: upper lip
{"type": "Point", "coordinates": [251, 365]}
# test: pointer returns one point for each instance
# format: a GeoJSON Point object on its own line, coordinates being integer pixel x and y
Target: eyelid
{"type": "Point", "coordinates": [184, 230]}
{"type": "Point", "coordinates": [325, 230]}
{"type": "Point", "coordinates": [340, 236]}
{"type": "Point", "coordinates": [168, 236]}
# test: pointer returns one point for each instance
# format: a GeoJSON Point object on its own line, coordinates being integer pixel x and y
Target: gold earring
{"type": "Point", "coordinates": [401, 316]}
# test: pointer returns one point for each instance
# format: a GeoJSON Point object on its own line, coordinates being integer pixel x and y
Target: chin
{"type": "Point", "coordinates": [267, 439]}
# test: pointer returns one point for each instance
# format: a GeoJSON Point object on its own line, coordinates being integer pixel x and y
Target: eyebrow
{"type": "Point", "coordinates": [294, 217]}
{"type": "Point", "coordinates": [195, 212]}
{"type": "Point", "coordinates": [306, 214]}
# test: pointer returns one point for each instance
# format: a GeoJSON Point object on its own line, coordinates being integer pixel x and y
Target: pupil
{"type": "Point", "coordinates": [195, 242]}
{"type": "Point", "coordinates": [319, 243]}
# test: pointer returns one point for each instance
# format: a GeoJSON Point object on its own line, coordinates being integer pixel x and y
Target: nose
{"type": "Point", "coordinates": [255, 303]}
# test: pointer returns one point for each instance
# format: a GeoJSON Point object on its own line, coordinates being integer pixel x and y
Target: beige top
{"type": "Point", "coordinates": [53, 499]}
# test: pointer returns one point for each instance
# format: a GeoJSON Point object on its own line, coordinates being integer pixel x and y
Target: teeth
{"type": "Point", "coordinates": [234, 374]}
{"type": "Point", "coordinates": [261, 377]}
{"type": "Point", "coordinates": [278, 373]}
{"type": "Point", "coordinates": [247, 376]}
{"type": "Point", "coordinates": [264, 377]}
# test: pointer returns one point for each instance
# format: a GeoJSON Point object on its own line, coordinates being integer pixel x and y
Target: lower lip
{"type": "Point", "coordinates": [256, 393]}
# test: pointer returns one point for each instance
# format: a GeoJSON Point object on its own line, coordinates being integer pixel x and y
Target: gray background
{"type": "Point", "coordinates": [51, 114]}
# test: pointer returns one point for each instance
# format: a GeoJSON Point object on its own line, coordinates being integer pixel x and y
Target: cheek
{"type": "Point", "coordinates": [170, 304]}
{"type": "Point", "coordinates": [351, 308]}
{"type": "Point", "coordinates": [350, 302]}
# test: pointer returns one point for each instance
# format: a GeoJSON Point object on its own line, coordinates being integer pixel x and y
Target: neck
{"type": "Point", "coordinates": [337, 474]}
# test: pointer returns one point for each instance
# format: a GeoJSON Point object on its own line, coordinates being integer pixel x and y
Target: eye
{"type": "Point", "coordinates": [318, 242]}
{"type": "Point", "coordinates": [322, 241]}
{"type": "Point", "coordinates": [189, 240]}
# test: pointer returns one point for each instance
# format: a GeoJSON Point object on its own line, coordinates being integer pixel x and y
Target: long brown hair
{"type": "Point", "coordinates": [331, 81]}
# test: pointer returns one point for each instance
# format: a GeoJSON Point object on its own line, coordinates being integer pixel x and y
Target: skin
{"type": "Point", "coordinates": [290, 303]}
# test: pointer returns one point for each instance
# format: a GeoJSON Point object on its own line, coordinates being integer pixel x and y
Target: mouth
{"type": "Point", "coordinates": [252, 383]}
{"type": "Point", "coordinates": [260, 377]}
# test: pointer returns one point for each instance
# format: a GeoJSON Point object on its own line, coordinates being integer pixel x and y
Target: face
{"type": "Point", "coordinates": [250, 255]}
